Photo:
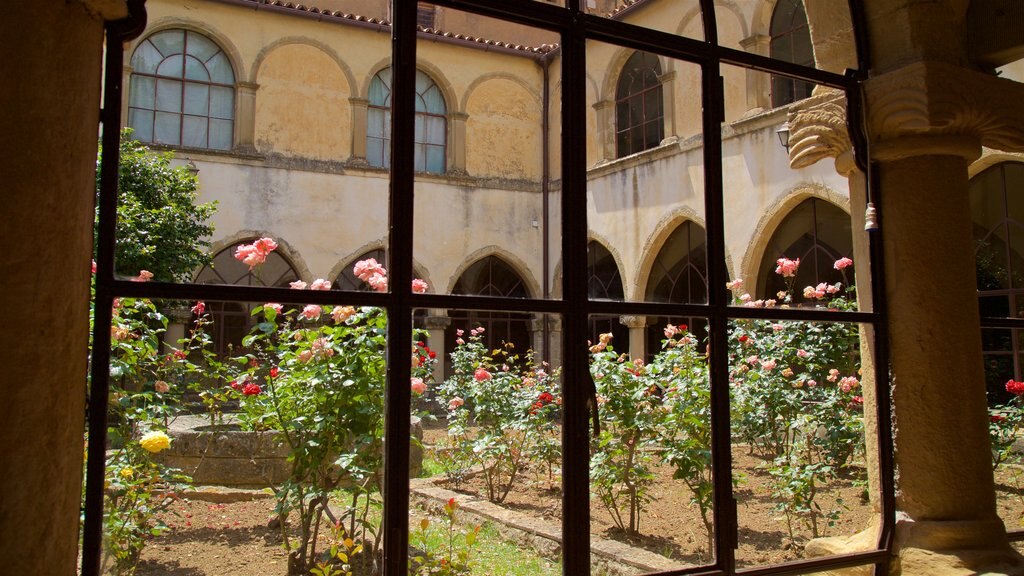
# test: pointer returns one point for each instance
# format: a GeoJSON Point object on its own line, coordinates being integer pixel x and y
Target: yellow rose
{"type": "Point", "coordinates": [127, 473]}
{"type": "Point", "coordinates": [155, 441]}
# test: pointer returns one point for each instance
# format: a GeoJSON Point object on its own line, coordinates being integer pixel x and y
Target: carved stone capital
{"type": "Point", "coordinates": [437, 322]}
{"type": "Point", "coordinates": [933, 108]}
{"type": "Point", "coordinates": [817, 128]}
{"type": "Point", "coordinates": [633, 321]}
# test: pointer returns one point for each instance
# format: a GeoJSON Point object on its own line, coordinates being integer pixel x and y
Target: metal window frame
{"type": "Point", "coordinates": [575, 27]}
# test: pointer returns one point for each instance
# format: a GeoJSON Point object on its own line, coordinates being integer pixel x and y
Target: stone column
{"type": "Point", "coordinates": [436, 323]}
{"type": "Point", "coordinates": [758, 88]}
{"type": "Point", "coordinates": [177, 320]}
{"type": "Point", "coordinates": [245, 120]}
{"type": "Point", "coordinates": [359, 113]}
{"type": "Point", "coordinates": [605, 110]}
{"type": "Point", "coordinates": [668, 85]}
{"type": "Point", "coordinates": [927, 124]}
{"type": "Point", "coordinates": [48, 159]}
{"type": "Point", "coordinates": [457, 148]}
{"type": "Point", "coordinates": [637, 335]}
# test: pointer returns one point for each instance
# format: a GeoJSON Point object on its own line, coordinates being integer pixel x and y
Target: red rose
{"type": "Point", "coordinates": [1014, 387]}
{"type": "Point", "coordinates": [274, 372]}
{"type": "Point", "coordinates": [997, 418]}
{"type": "Point", "coordinates": [743, 338]}
{"type": "Point", "coordinates": [251, 389]}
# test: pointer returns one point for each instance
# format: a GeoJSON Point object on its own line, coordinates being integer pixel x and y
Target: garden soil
{"type": "Point", "coordinates": [209, 539]}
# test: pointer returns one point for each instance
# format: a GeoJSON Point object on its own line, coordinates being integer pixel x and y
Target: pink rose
{"type": "Point", "coordinates": [265, 246]}
{"type": "Point", "coordinates": [320, 284]}
{"type": "Point", "coordinates": [811, 383]}
{"type": "Point", "coordinates": [735, 284]}
{"type": "Point", "coordinates": [802, 353]}
{"type": "Point", "coordinates": [786, 267]}
{"type": "Point", "coordinates": [419, 286]}
{"type": "Point", "coordinates": [305, 356]}
{"type": "Point", "coordinates": [297, 285]}
{"type": "Point", "coordinates": [842, 263]}
{"type": "Point", "coordinates": [249, 255]}
{"type": "Point", "coordinates": [311, 312]}
{"type": "Point", "coordinates": [670, 331]}
{"type": "Point", "coordinates": [144, 276]}
{"type": "Point", "coordinates": [93, 266]}
{"type": "Point", "coordinates": [481, 375]}
{"type": "Point", "coordinates": [418, 387]}
{"type": "Point", "coordinates": [768, 365]}
{"type": "Point", "coordinates": [199, 309]}
{"type": "Point", "coordinates": [364, 269]}
{"type": "Point", "coordinates": [161, 386]}
{"type": "Point", "coordinates": [342, 313]}
{"type": "Point", "coordinates": [378, 282]}
{"type": "Point", "coordinates": [833, 375]}
{"type": "Point", "coordinates": [454, 403]}
{"type": "Point", "coordinates": [274, 306]}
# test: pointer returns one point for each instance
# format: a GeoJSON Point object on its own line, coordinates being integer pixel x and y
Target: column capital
{"type": "Point", "coordinates": [938, 108]}
{"type": "Point", "coordinates": [107, 9]}
{"type": "Point", "coordinates": [633, 321]}
{"type": "Point", "coordinates": [248, 86]}
{"type": "Point", "coordinates": [437, 322]}
{"type": "Point", "coordinates": [756, 44]}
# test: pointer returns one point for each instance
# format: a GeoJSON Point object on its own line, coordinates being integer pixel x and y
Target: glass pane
{"type": "Point", "coordinates": [659, 16]}
{"type": "Point", "coordinates": [435, 133]}
{"type": "Point", "coordinates": [221, 134]}
{"type": "Point", "coordinates": [998, 369]}
{"type": "Point", "coordinates": [169, 41]}
{"type": "Point", "coordinates": [168, 95]}
{"type": "Point", "coordinates": [193, 131]}
{"type": "Point", "coordinates": [172, 67]}
{"type": "Point", "coordinates": [197, 99]}
{"type": "Point", "coordinates": [486, 415]}
{"type": "Point", "coordinates": [261, 379]}
{"type": "Point", "coordinates": [435, 159]}
{"type": "Point", "coordinates": [167, 129]}
{"type": "Point", "coordinates": [222, 102]}
{"type": "Point", "coordinates": [146, 58]}
{"type": "Point", "coordinates": [994, 340]}
{"type": "Point", "coordinates": [379, 88]}
{"type": "Point", "coordinates": [797, 400]}
{"type": "Point", "coordinates": [201, 47]}
{"type": "Point", "coordinates": [788, 242]}
{"type": "Point", "coordinates": [375, 123]}
{"type": "Point", "coordinates": [195, 70]}
{"type": "Point", "coordinates": [375, 151]}
{"type": "Point", "coordinates": [650, 466]}
{"type": "Point", "coordinates": [220, 69]}
{"type": "Point", "coordinates": [141, 121]}
{"type": "Point", "coordinates": [142, 93]}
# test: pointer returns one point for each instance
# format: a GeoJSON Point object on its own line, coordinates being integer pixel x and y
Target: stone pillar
{"type": "Point", "coordinates": [668, 85]}
{"type": "Point", "coordinates": [436, 323]}
{"type": "Point", "coordinates": [605, 110]}
{"type": "Point", "coordinates": [637, 335]}
{"type": "Point", "coordinates": [245, 120]}
{"type": "Point", "coordinates": [457, 149]}
{"type": "Point", "coordinates": [758, 88]}
{"type": "Point", "coordinates": [927, 124]}
{"type": "Point", "coordinates": [177, 321]}
{"type": "Point", "coordinates": [48, 159]}
{"type": "Point", "coordinates": [359, 113]}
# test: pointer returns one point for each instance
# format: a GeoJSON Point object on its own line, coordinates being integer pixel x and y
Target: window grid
{"type": "Point", "coordinates": [201, 123]}
{"type": "Point", "coordinates": [790, 42]}
{"type": "Point", "coordinates": [639, 108]}
{"type": "Point", "coordinates": [576, 28]}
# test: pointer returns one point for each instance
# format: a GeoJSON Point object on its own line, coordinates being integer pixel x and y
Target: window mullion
{"type": "Point", "coordinates": [397, 399]}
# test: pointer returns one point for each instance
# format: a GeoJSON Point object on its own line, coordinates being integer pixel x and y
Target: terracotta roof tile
{"type": "Point", "coordinates": [340, 16]}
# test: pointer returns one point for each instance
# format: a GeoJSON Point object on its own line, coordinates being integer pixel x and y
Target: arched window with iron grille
{"type": "Point", "coordinates": [639, 106]}
{"type": "Point", "coordinates": [491, 276]}
{"type": "Point", "coordinates": [605, 283]}
{"type": "Point", "coordinates": [791, 42]}
{"type": "Point", "coordinates": [182, 92]}
{"type": "Point", "coordinates": [431, 139]}
{"type": "Point", "coordinates": [679, 275]}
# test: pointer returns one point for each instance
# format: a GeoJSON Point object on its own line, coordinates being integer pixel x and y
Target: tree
{"type": "Point", "coordinates": [160, 227]}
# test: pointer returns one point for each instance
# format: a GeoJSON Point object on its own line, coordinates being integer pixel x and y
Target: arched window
{"type": "Point", "coordinates": [232, 320]}
{"type": "Point", "coordinates": [639, 111]}
{"type": "Point", "coordinates": [491, 276]}
{"type": "Point", "coordinates": [182, 91]}
{"type": "Point", "coordinates": [347, 280]}
{"type": "Point", "coordinates": [816, 232]}
{"type": "Point", "coordinates": [791, 42]}
{"type": "Point", "coordinates": [679, 275]}
{"type": "Point", "coordinates": [431, 124]}
{"type": "Point", "coordinates": [997, 208]}
{"type": "Point", "coordinates": [605, 283]}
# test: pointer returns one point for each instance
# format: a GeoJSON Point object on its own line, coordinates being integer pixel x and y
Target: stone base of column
{"type": "Point", "coordinates": [928, 548]}
{"type": "Point", "coordinates": [953, 548]}
{"type": "Point", "coordinates": [862, 541]}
